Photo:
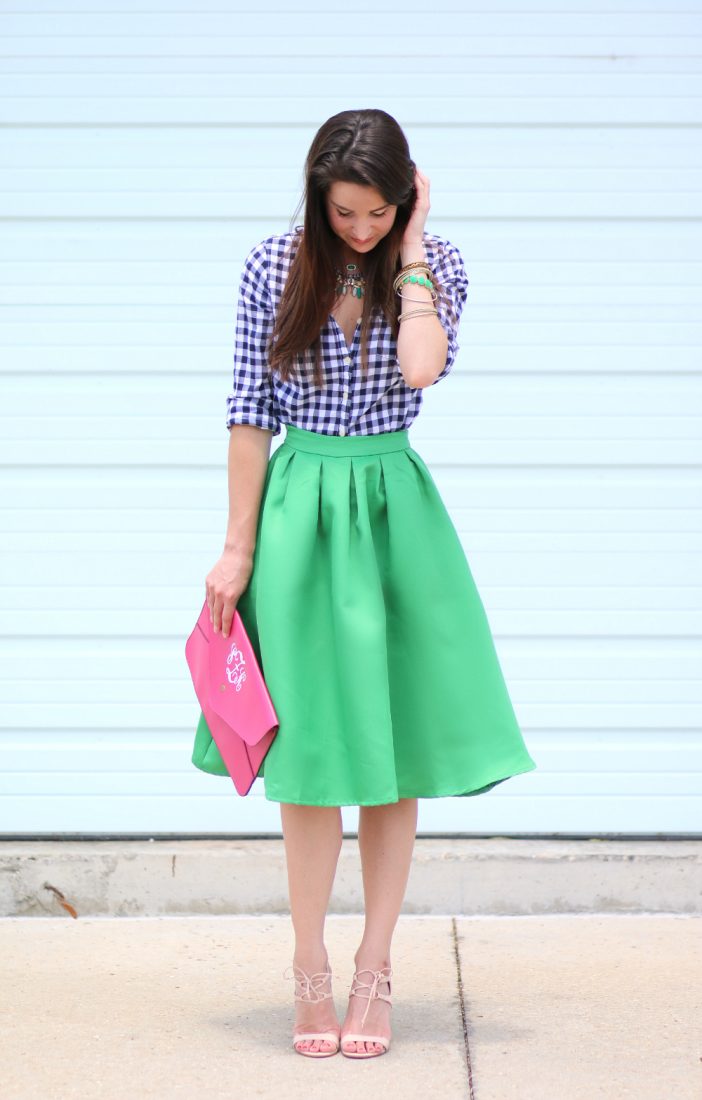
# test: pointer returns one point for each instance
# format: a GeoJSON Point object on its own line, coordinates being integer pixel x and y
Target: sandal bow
{"type": "Point", "coordinates": [310, 984]}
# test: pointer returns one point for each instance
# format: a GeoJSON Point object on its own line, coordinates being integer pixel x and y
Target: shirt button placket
{"type": "Point", "coordinates": [347, 363]}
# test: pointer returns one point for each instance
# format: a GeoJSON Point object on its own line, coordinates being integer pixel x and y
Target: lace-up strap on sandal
{"type": "Point", "coordinates": [308, 989]}
{"type": "Point", "coordinates": [371, 991]}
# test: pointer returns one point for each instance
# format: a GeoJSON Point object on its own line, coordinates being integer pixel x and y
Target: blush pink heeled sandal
{"type": "Point", "coordinates": [308, 989]}
{"type": "Point", "coordinates": [369, 990]}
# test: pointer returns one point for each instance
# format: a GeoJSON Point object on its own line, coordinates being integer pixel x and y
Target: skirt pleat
{"type": "Point", "coordinates": [370, 632]}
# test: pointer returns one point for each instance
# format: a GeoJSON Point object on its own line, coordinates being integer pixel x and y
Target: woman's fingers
{"type": "Point", "coordinates": [217, 614]}
{"type": "Point", "coordinates": [222, 614]}
{"type": "Point", "coordinates": [228, 609]}
{"type": "Point", "coordinates": [224, 585]}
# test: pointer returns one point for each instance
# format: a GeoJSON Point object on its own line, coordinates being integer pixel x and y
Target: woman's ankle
{"type": "Point", "coordinates": [372, 960]}
{"type": "Point", "coordinates": [313, 960]}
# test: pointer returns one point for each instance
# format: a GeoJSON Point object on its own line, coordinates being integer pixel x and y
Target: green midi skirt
{"type": "Point", "coordinates": [370, 633]}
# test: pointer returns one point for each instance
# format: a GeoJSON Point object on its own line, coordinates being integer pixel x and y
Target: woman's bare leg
{"type": "Point", "coordinates": [386, 836]}
{"type": "Point", "coordinates": [312, 836]}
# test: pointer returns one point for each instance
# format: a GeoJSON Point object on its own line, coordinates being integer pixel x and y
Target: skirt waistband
{"type": "Point", "coordinates": [320, 444]}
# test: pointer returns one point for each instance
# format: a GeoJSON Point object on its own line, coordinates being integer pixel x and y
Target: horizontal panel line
{"type": "Point", "coordinates": [612, 552]}
{"type": "Point", "coordinates": [473, 372]}
{"type": "Point", "coordinates": [467, 219]}
{"type": "Point", "coordinates": [384, 71]}
{"type": "Point", "coordinates": [137, 191]}
{"type": "Point", "coordinates": [180, 771]}
{"type": "Point", "coordinates": [515, 680]}
{"type": "Point", "coordinates": [255, 37]}
{"type": "Point", "coordinates": [473, 532]}
{"type": "Point", "coordinates": [394, 57]}
{"type": "Point", "coordinates": [225, 287]}
{"type": "Point", "coordinates": [302, 124]}
{"type": "Point", "coordinates": [502, 586]}
{"type": "Point", "coordinates": [135, 796]}
{"type": "Point", "coordinates": [185, 732]}
{"type": "Point", "coordinates": [173, 835]}
{"type": "Point", "coordinates": [168, 97]}
{"type": "Point", "coordinates": [456, 55]}
{"type": "Point", "coordinates": [613, 467]}
{"type": "Point", "coordinates": [138, 419]}
{"type": "Point", "coordinates": [603, 323]}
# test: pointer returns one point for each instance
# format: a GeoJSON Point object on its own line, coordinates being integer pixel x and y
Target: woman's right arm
{"type": "Point", "coordinates": [249, 452]}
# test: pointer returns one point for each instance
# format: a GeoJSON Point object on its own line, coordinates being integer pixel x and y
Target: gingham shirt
{"type": "Point", "coordinates": [349, 404]}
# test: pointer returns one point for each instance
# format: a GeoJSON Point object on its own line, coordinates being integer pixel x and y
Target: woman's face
{"type": "Point", "coordinates": [358, 215]}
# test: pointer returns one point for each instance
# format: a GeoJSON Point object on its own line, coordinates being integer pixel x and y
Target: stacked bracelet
{"type": "Point", "coordinates": [409, 273]}
{"type": "Point", "coordinates": [419, 273]}
{"type": "Point", "coordinates": [417, 313]}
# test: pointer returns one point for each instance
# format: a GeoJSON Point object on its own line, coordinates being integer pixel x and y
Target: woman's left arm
{"type": "Point", "coordinates": [422, 342]}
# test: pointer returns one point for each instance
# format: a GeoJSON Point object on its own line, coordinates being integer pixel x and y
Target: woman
{"type": "Point", "coordinates": [342, 560]}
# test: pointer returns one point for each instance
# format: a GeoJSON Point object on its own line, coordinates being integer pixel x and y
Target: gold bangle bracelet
{"type": "Point", "coordinates": [407, 298]}
{"type": "Point", "coordinates": [416, 313]}
{"type": "Point", "coordinates": [414, 263]}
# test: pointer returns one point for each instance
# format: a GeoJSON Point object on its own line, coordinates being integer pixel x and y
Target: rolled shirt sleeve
{"type": "Point", "coordinates": [451, 273]}
{"type": "Point", "coordinates": [251, 400]}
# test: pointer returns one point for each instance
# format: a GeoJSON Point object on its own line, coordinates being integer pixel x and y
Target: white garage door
{"type": "Point", "coordinates": [146, 151]}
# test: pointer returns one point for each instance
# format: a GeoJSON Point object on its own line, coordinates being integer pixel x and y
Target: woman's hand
{"type": "Point", "coordinates": [224, 584]}
{"type": "Point", "coordinates": [414, 229]}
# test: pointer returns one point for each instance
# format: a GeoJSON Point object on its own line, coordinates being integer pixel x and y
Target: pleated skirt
{"type": "Point", "coordinates": [370, 633]}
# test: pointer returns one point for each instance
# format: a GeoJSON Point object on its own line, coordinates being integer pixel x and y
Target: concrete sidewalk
{"type": "Point", "coordinates": [492, 1008]}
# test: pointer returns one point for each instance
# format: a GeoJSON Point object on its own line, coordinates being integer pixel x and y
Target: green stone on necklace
{"type": "Point", "coordinates": [352, 280]}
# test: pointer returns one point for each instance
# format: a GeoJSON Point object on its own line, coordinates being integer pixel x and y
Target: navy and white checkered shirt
{"type": "Point", "coordinates": [349, 404]}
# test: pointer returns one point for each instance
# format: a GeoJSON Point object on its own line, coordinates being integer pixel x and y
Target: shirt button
{"type": "Point", "coordinates": [342, 431]}
{"type": "Point", "coordinates": [346, 394]}
{"type": "Point", "coordinates": [347, 360]}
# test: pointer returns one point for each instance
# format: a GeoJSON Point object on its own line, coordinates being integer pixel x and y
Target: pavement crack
{"type": "Point", "coordinates": [465, 1020]}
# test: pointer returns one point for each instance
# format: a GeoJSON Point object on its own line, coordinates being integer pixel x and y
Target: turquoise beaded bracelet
{"type": "Point", "coordinates": [420, 280]}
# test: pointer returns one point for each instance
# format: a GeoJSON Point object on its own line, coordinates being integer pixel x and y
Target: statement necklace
{"type": "Point", "coordinates": [351, 279]}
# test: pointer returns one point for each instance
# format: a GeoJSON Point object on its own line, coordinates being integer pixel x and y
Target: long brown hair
{"type": "Point", "coordinates": [366, 147]}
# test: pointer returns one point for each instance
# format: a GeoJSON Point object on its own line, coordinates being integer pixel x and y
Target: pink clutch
{"type": "Point", "coordinates": [233, 697]}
